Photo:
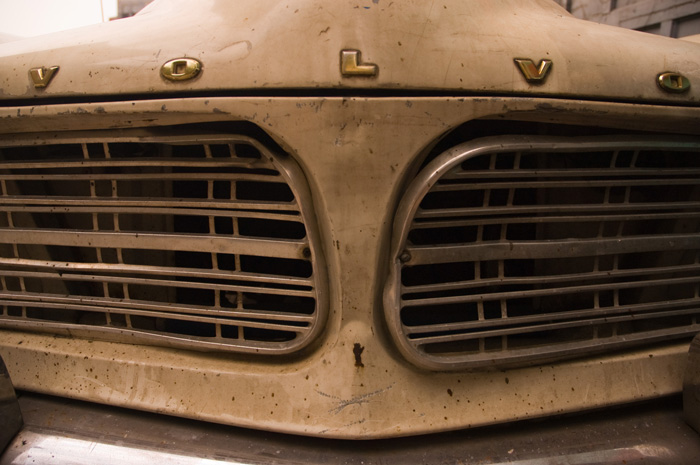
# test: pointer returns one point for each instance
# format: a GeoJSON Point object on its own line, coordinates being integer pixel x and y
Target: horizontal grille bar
{"type": "Point", "coordinates": [136, 162]}
{"type": "Point", "coordinates": [157, 282]}
{"type": "Point", "coordinates": [606, 183]}
{"type": "Point", "coordinates": [523, 330]}
{"type": "Point", "coordinates": [228, 213]}
{"type": "Point", "coordinates": [637, 311]}
{"type": "Point", "coordinates": [545, 292]}
{"type": "Point", "coordinates": [117, 306]}
{"type": "Point", "coordinates": [579, 173]}
{"type": "Point", "coordinates": [550, 249]}
{"type": "Point", "coordinates": [208, 319]}
{"type": "Point", "coordinates": [551, 279]}
{"type": "Point", "coordinates": [174, 203]}
{"type": "Point", "coordinates": [495, 211]}
{"type": "Point", "coordinates": [171, 242]}
{"type": "Point", "coordinates": [423, 224]}
{"type": "Point", "coordinates": [142, 177]}
{"type": "Point", "coordinates": [112, 268]}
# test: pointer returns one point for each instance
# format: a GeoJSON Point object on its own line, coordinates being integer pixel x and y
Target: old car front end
{"type": "Point", "coordinates": [352, 221]}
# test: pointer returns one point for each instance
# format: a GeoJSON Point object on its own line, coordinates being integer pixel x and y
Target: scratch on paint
{"type": "Point", "coordinates": [358, 400]}
{"type": "Point", "coordinates": [354, 423]}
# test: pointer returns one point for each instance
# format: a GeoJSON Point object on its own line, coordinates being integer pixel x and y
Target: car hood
{"type": "Point", "coordinates": [453, 46]}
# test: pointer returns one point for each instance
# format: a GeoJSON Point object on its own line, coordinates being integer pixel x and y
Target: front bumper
{"type": "Point", "coordinates": [64, 431]}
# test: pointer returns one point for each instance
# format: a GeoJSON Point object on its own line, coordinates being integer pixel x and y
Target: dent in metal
{"type": "Point", "coordinates": [534, 74]}
{"type": "Point", "coordinates": [350, 65]}
{"type": "Point", "coordinates": [41, 77]}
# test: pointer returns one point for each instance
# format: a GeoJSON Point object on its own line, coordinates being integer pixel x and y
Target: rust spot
{"type": "Point", "coordinates": [357, 351]}
{"type": "Point", "coordinates": [449, 391]}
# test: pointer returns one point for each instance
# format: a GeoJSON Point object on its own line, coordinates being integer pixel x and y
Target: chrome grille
{"type": "Point", "coordinates": [516, 250]}
{"type": "Point", "coordinates": [199, 242]}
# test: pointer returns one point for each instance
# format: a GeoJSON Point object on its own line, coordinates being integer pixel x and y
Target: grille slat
{"type": "Point", "coordinates": [181, 317]}
{"type": "Point", "coordinates": [161, 271]}
{"type": "Point", "coordinates": [558, 184]}
{"type": "Point", "coordinates": [516, 250]}
{"type": "Point", "coordinates": [144, 177]}
{"type": "Point", "coordinates": [640, 312]}
{"type": "Point", "coordinates": [545, 292]}
{"type": "Point", "coordinates": [422, 224]}
{"type": "Point", "coordinates": [121, 203]}
{"type": "Point", "coordinates": [158, 282]}
{"type": "Point", "coordinates": [523, 330]}
{"type": "Point", "coordinates": [169, 241]}
{"type": "Point", "coordinates": [136, 162]}
{"type": "Point", "coordinates": [494, 211]}
{"type": "Point", "coordinates": [525, 281]}
{"type": "Point", "coordinates": [568, 248]}
{"type": "Point", "coordinates": [154, 211]}
{"type": "Point", "coordinates": [554, 173]}
{"type": "Point", "coordinates": [117, 305]}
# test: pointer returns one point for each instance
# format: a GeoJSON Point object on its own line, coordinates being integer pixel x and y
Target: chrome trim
{"type": "Point", "coordinates": [47, 448]}
{"type": "Point", "coordinates": [444, 175]}
{"type": "Point", "coordinates": [105, 234]}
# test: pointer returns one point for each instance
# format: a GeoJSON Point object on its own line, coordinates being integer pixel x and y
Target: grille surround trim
{"type": "Point", "coordinates": [404, 255]}
{"type": "Point", "coordinates": [304, 325]}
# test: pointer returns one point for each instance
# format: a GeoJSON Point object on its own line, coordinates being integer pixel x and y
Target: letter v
{"type": "Point", "coordinates": [41, 77]}
{"type": "Point", "coordinates": [532, 73]}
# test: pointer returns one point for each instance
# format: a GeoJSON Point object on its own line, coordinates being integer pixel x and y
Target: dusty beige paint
{"type": "Point", "coordinates": [453, 45]}
{"type": "Point", "coordinates": [326, 395]}
{"type": "Point", "coordinates": [357, 154]}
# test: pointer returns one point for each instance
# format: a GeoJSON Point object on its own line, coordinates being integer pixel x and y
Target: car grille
{"type": "Point", "coordinates": [516, 250]}
{"type": "Point", "coordinates": [204, 242]}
